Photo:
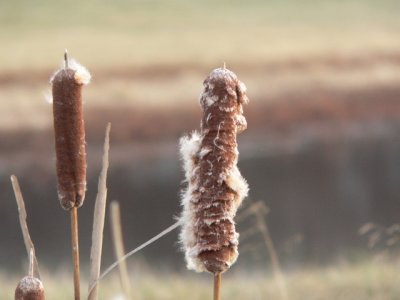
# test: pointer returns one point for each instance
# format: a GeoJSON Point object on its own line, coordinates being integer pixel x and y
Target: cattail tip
{"type": "Point", "coordinates": [29, 288]}
{"type": "Point", "coordinates": [66, 59]}
{"type": "Point", "coordinates": [81, 75]}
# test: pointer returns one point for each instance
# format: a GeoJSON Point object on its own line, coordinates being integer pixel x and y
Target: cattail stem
{"type": "Point", "coordinates": [75, 251]}
{"type": "Point", "coordinates": [217, 286]}
{"type": "Point", "coordinates": [30, 248]}
{"type": "Point", "coordinates": [31, 263]}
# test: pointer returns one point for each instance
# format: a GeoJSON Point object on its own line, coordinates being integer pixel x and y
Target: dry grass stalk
{"type": "Point", "coordinates": [98, 220]}
{"type": "Point", "coordinates": [259, 212]}
{"type": "Point", "coordinates": [30, 287]}
{"type": "Point", "coordinates": [30, 248]}
{"type": "Point", "coordinates": [249, 211]}
{"type": "Point", "coordinates": [69, 133]}
{"type": "Point", "coordinates": [119, 248]}
{"type": "Point", "coordinates": [137, 249]}
{"type": "Point", "coordinates": [32, 260]}
{"type": "Point", "coordinates": [215, 186]}
{"type": "Point", "coordinates": [249, 233]}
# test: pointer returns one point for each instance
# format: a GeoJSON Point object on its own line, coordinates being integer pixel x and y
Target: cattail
{"type": "Point", "coordinates": [29, 288]}
{"type": "Point", "coordinates": [70, 133]}
{"type": "Point", "coordinates": [215, 186]}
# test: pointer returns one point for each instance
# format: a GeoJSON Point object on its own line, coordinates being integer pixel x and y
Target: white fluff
{"type": "Point", "coordinates": [48, 96]}
{"type": "Point", "coordinates": [223, 73]}
{"type": "Point", "coordinates": [242, 87]}
{"type": "Point", "coordinates": [237, 183]}
{"type": "Point", "coordinates": [227, 109]}
{"type": "Point", "coordinates": [241, 123]}
{"type": "Point", "coordinates": [242, 91]}
{"type": "Point", "coordinates": [204, 151]}
{"type": "Point", "coordinates": [29, 283]}
{"type": "Point", "coordinates": [210, 100]}
{"type": "Point", "coordinates": [231, 91]}
{"type": "Point", "coordinates": [82, 75]}
{"type": "Point", "coordinates": [189, 148]}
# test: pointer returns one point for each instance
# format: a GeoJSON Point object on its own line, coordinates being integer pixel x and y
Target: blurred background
{"type": "Point", "coordinates": [322, 149]}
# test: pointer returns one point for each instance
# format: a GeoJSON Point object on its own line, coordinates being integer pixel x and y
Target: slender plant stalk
{"type": "Point", "coordinates": [249, 211]}
{"type": "Point", "coordinates": [30, 248]}
{"type": "Point", "coordinates": [31, 263]}
{"type": "Point", "coordinates": [137, 249]}
{"type": "Point", "coordinates": [119, 248]}
{"type": "Point", "coordinates": [276, 266]}
{"type": "Point", "coordinates": [30, 287]}
{"type": "Point", "coordinates": [217, 286]}
{"type": "Point", "coordinates": [75, 251]}
{"type": "Point", "coordinates": [98, 220]}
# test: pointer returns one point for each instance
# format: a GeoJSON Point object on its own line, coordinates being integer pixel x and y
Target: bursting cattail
{"type": "Point", "coordinates": [29, 288]}
{"type": "Point", "coordinates": [69, 132]}
{"type": "Point", "coordinates": [215, 186]}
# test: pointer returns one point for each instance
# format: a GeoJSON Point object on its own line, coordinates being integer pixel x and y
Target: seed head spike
{"type": "Point", "coordinates": [66, 59]}
{"type": "Point", "coordinates": [69, 132]}
{"type": "Point", "coordinates": [215, 186]}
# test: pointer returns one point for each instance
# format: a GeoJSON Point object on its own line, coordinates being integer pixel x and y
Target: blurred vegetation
{"type": "Point", "coordinates": [364, 280]}
{"type": "Point", "coordinates": [117, 33]}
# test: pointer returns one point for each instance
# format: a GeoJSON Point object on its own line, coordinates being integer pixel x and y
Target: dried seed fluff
{"type": "Point", "coordinates": [29, 288]}
{"type": "Point", "coordinates": [215, 187]}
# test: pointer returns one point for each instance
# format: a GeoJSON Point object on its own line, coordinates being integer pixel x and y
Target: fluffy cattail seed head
{"type": "Point", "coordinates": [69, 133]}
{"type": "Point", "coordinates": [215, 185]}
{"type": "Point", "coordinates": [29, 288]}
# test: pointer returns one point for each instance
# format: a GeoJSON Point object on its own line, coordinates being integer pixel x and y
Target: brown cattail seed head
{"type": "Point", "coordinates": [69, 133]}
{"type": "Point", "coordinates": [29, 288]}
{"type": "Point", "coordinates": [215, 185]}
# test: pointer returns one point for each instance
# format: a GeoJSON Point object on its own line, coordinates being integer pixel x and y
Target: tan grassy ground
{"type": "Point", "coordinates": [114, 35]}
{"type": "Point", "coordinates": [138, 33]}
{"type": "Point", "coordinates": [376, 280]}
